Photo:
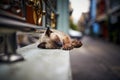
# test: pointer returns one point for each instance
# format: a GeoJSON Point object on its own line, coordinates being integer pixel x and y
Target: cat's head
{"type": "Point", "coordinates": [50, 40]}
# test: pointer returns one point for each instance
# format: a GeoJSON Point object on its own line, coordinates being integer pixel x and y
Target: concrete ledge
{"type": "Point", "coordinates": [39, 64]}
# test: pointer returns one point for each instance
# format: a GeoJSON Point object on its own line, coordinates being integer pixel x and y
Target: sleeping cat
{"type": "Point", "coordinates": [54, 39]}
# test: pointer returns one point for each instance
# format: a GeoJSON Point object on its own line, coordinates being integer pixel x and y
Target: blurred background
{"type": "Point", "coordinates": [97, 18]}
{"type": "Point", "coordinates": [98, 22]}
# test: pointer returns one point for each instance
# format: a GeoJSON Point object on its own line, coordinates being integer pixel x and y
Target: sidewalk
{"type": "Point", "coordinates": [95, 60]}
{"type": "Point", "coordinates": [39, 64]}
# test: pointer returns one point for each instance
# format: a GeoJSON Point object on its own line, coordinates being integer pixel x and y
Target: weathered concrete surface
{"type": "Point", "coordinates": [39, 64]}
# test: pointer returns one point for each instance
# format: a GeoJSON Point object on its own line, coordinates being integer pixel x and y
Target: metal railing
{"type": "Point", "coordinates": [13, 18]}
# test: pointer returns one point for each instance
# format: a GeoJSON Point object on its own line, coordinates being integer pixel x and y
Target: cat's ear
{"type": "Point", "coordinates": [42, 45]}
{"type": "Point", "coordinates": [48, 32]}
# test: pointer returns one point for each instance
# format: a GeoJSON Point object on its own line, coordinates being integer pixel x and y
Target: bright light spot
{"type": "Point", "coordinates": [79, 6]}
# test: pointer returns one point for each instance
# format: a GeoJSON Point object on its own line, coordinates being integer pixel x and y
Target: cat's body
{"type": "Point", "coordinates": [54, 39]}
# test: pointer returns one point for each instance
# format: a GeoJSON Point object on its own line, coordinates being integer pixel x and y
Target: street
{"type": "Point", "coordinates": [97, 59]}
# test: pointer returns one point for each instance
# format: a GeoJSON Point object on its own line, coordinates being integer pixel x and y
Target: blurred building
{"type": "Point", "coordinates": [82, 23]}
{"type": "Point", "coordinates": [104, 19]}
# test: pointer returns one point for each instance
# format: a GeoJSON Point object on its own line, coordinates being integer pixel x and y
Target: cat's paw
{"type": "Point", "coordinates": [76, 43]}
{"type": "Point", "coordinates": [67, 47]}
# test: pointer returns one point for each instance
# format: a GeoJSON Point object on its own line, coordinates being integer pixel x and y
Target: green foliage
{"type": "Point", "coordinates": [73, 26]}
